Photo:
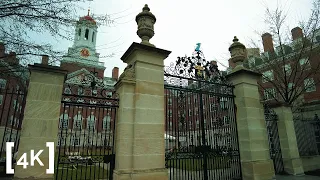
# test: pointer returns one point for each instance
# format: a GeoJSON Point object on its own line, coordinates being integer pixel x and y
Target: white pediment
{"type": "Point", "coordinates": [84, 78]}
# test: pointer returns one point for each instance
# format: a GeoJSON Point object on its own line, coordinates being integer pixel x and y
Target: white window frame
{"type": "Point", "coordinates": [77, 121]}
{"type": "Point", "coordinates": [91, 122]}
{"type": "Point", "coordinates": [90, 140]}
{"type": "Point", "coordinates": [61, 140]}
{"type": "Point", "coordinates": [107, 123]}
{"type": "Point", "coordinates": [64, 123]}
{"type": "Point", "coordinates": [170, 101]}
{"type": "Point", "coordinates": [223, 103]}
{"type": "Point", "coordinates": [213, 107]}
{"type": "Point", "coordinates": [268, 75]}
{"type": "Point", "coordinates": [226, 120]}
{"type": "Point", "coordinates": [170, 124]}
{"type": "Point", "coordinates": [10, 122]}
{"type": "Point", "coordinates": [309, 85]}
{"type": "Point", "coordinates": [269, 93]}
{"type": "Point", "coordinates": [74, 140]}
{"type": "Point", "coordinates": [3, 83]}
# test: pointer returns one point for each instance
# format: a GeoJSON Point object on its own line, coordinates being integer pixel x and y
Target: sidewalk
{"type": "Point", "coordinates": [305, 177]}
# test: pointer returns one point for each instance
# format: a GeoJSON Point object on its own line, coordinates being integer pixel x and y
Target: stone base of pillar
{"type": "Point", "coordinates": [154, 174]}
{"type": "Point", "coordinates": [258, 170]}
{"type": "Point", "coordinates": [293, 166]}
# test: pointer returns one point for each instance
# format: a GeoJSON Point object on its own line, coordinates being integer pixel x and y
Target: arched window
{"type": "Point", "coordinates": [64, 120]}
{"type": "Point", "coordinates": [93, 36]}
{"type": "Point", "coordinates": [79, 33]}
{"type": "Point", "coordinates": [91, 121]}
{"type": "Point", "coordinates": [107, 123]}
{"type": "Point", "coordinates": [77, 121]}
{"type": "Point", "coordinates": [86, 35]}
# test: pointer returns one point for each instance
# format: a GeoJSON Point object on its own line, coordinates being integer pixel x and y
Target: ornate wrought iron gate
{"type": "Point", "coordinates": [274, 141]}
{"type": "Point", "coordinates": [12, 104]}
{"type": "Point", "coordinates": [201, 133]}
{"type": "Point", "coordinates": [86, 131]}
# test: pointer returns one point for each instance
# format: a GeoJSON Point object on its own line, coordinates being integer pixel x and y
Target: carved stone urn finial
{"type": "Point", "coordinates": [145, 21]}
{"type": "Point", "coordinates": [238, 52]}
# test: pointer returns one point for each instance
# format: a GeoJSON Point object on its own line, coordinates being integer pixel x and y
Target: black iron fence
{"type": "Point", "coordinates": [273, 137]}
{"type": "Point", "coordinates": [308, 135]}
{"type": "Point", "coordinates": [12, 104]}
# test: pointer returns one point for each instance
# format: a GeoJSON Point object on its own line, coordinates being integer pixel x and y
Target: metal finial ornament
{"type": "Point", "coordinates": [195, 67]}
{"type": "Point", "coordinates": [89, 12]}
{"type": "Point", "coordinates": [198, 47]}
{"type": "Point", "coordinates": [235, 39]}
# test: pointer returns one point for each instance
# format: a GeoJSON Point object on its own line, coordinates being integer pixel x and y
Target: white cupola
{"type": "Point", "coordinates": [83, 50]}
{"type": "Point", "coordinates": [86, 32]}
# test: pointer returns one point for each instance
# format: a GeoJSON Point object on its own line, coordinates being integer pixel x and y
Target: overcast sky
{"type": "Point", "coordinates": [183, 23]}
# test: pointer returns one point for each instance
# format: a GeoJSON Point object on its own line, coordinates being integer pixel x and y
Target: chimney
{"type": "Point", "coordinates": [2, 50]}
{"type": "Point", "coordinates": [296, 33]}
{"type": "Point", "coordinates": [115, 73]}
{"type": "Point", "coordinates": [45, 60]}
{"type": "Point", "coordinates": [267, 42]}
{"type": "Point", "coordinates": [213, 62]}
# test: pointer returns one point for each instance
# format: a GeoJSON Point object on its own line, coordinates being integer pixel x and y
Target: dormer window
{"type": "Point", "coordinates": [86, 35]}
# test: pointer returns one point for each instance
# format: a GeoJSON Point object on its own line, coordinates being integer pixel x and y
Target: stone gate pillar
{"type": "Point", "coordinates": [139, 136]}
{"type": "Point", "coordinates": [252, 133]}
{"type": "Point", "coordinates": [288, 142]}
{"type": "Point", "coordinates": [41, 118]}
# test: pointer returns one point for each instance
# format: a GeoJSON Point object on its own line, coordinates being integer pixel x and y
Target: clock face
{"type": "Point", "coordinates": [85, 52]}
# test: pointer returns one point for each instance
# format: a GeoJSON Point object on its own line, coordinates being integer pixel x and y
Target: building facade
{"type": "Point", "coordinates": [82, 123]}
{"type": "Point", "coordinates": [294, 64]}
{"type": "Point", "coordinates": [183, 124]}
{"type": "Point", "coordinates": [13, 88]}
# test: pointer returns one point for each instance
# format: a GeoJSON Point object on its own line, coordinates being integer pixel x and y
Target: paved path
{"type": "Point", "coordinates": [305, 177]}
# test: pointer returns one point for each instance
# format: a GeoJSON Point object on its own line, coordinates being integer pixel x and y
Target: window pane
{"type": "Point", "coordinates": [86, 36]}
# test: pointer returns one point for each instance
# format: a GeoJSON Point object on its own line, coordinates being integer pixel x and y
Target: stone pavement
{"type": "Point", "coordinates": [305, 177]}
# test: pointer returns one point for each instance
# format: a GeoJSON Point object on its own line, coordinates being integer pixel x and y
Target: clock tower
{"type": "Point", "coordinates": [83, 51]}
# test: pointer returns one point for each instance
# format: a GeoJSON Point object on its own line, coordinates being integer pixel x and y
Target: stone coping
{"type": "Point", "coordinates": [135, 46]}
{"type": "Point", "coordinates": [47, 68]}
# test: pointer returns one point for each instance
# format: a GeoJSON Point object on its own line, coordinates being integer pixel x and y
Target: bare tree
{"type": "Point", "coordinates": [288, 68]}
{"type": "Point", "coordinates": [19, 18]}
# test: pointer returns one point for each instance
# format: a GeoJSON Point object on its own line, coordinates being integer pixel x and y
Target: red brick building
{"type": "Point", "coordinates": [13, 88]}
{"type": "Point", "coordinates": [299, 68]}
